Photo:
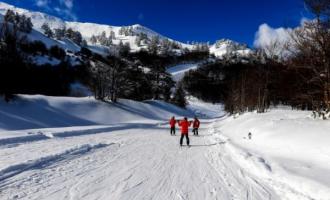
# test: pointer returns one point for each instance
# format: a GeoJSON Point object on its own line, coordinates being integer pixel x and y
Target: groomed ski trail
{"type": "Point", "coordinates": [142, 163]}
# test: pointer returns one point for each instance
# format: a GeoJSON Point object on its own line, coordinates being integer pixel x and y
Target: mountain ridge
{"type": "Point", "coordinates": [89, 29]}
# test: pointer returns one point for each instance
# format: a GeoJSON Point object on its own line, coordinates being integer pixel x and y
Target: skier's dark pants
{"type": "Point", "coordinates": [172, 130]}
{"type": "Point", "coordinates": [181, 139]}
{"type": "Point", "coordinates": [195, 130]}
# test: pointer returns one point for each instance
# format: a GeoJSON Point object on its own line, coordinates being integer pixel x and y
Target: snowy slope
{"type": "Point", "coordinates": [178, 71]}
{"type": "Point", "coordinates": [204, 109]}
{"type": "Point", "coordinates": [287, 147]}
{"type": "Point", "coordinates": [136, 160]}
{"type": "Point", "coordinates": [36, 34]}
{"type": "Point", "coordinates": [125, 151]}
{"type": "Point", "coordinates": [31, 112]}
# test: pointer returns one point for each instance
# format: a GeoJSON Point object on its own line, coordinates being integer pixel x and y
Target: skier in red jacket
{"type": "Point", "coordinates": [196, 126]}
{"type": "Point", "coordinates": [184, 124]}
{"type": "Point", "coordinates": [172, 125]}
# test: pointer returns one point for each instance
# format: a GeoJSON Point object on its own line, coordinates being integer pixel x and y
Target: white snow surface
{"type": "Point", "coordinates": [178, 71]}
{"type": "Point", "coordinates": [78, 148]}
{"type": "Point", "coordinates": [289, 146]}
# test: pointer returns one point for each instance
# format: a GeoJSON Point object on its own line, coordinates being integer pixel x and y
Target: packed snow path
{"type": "Point", "coordinates": [142, 163]}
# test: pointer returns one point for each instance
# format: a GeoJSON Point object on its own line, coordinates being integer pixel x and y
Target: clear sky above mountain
{"type": "Point", "coordinates": [183, 20]}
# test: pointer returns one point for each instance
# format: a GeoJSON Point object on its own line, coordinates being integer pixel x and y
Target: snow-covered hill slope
{"type": "Point", "coordinates": [32, 112]}
{"type": "Point", "coordinates": [178, 71]}
{"type": "Point", "coordinates": [286, 147]}
{"type": "Point", "coordinates": [36, 34]}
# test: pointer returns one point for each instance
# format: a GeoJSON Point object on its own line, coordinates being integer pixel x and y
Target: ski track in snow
{"type": "Point", "coordinates": [179, 71]}
{"type": "Point", "coordinates": [141, 163]}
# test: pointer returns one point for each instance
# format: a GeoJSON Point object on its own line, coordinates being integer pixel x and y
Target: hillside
{"type": "Point", "coordinates": [88, 30]}
{"type": "Point", "coordinates": [49, 112]}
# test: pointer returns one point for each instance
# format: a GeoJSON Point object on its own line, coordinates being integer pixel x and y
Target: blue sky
{"type": "Point", "coordinates": [183, 20]}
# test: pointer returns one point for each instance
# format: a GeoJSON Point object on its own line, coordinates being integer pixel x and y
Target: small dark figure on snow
{"type": "Point", "coordinates": [250, 135]}
{"type": "Point", "coordinates": [172, 125]}
{"type": "Point", "coordinates": [184, 124]}
{"type": "Point", "coordinates": [196, 126]}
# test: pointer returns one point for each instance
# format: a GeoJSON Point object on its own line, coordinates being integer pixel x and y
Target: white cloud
{"type": "Point", "coordinates": [67, 13]}
{"type": "Point", "coordinates": [267, 35]}
{"type": "Point", "coordinates": [274, 41]}
{"type": "Point", "coordinates": [63, 8]}
{"type": "Point", "coordinates": [42, 3]}
{"type": "Point", "coordinates": [67, 3]}
{"type": "Point", "coordinates": [141, 16]}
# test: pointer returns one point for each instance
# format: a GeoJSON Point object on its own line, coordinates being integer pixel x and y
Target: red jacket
{"type": "Point", "coordinates": [172, 123]}
{"type": "Point", "coordinates": [184, 127]}
{"type": "Point", "coordinates": [196, 123]}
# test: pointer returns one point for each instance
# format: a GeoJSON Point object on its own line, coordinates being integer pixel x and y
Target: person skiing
{"type": "Point", "coordinates": [172, 125]}
{"type": "Point", "coordinates": [196, 126]}
{"type": "Point", "coordinates": [184, 124]}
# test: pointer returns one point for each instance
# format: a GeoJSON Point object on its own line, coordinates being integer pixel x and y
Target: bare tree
{"type": "Point", "coordinates": [311, 44]}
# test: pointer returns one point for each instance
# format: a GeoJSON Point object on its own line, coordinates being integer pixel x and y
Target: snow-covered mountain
{"type": "Point", "coordinates": [88, 29]}
{"type": "Point", "coordinates": [219, 49]}
{"type": "Point", "coordinates": [225, 46]}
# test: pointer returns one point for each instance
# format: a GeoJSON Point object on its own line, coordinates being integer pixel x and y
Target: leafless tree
{"type": "Point", "coordinates": [311, 45]}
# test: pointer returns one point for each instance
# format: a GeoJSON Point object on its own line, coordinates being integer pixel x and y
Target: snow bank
{"type": "Point", "coordinates": [32, 112]}
{"type": "Point", "coordinates": [293, 148]}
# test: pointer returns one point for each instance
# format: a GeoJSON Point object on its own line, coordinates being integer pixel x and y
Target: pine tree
{"type": "Point", "coordinates": [10, 16]}
{"type": "Point", "coordinates": [93, 39]}
{"type": "Point", "coordinates": [69, 33]}
{"type": "Point", "coordinates": [109, 41]}
{"type": "Point", "coordinates": [179, 98]}
{"type": "Point", "coordinates": [112, 35]}
{"type": "Point", "coordinates": [25, 25]}
{"type": "Point", "coordinates": [161, 81]}
{"type": "Point", "coordinates": [84, 43]}
{"type": "Point", "coordinates": [60, 33]}
{"type": "Point", "coordinates": [143, 37]}
{"type": "Point", "coordinates": [77, 37]}
{"type": "Point", "coordinates": [102, 38]}
{"type": "Point", "coordinates": [122, 31]}
{"type": "Point", "coordinates": [14, 72]}
{"type": "Point", "coordinates": [130, 31]}
{"type": "Point", "coordinates": [138, 40]}
{"type": "Point", "coordinates": [153, 45]}
{"type": "Point", "coordinates": [47, 31]}
{"type": "Point", "coordinates": [124, 49]}
{"type": "Point", "coordinates": [166, 47]}
{"type": "Point", "coordinates": [19, 22]}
